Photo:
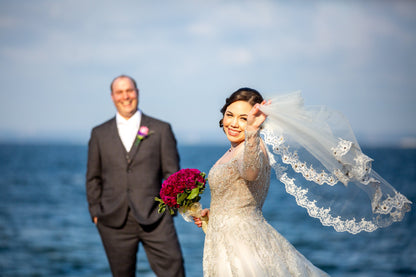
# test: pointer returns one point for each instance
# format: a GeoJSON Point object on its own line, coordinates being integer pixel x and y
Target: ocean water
{"type": "Point", "coordinates": [45, 228]}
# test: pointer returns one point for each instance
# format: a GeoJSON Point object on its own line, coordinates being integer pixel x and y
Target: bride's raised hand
{"type": "Point", "coordinates": [256, 117]}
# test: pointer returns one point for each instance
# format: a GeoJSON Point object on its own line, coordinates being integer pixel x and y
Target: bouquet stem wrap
{"type": "Point", "coordinates": [194, 210]}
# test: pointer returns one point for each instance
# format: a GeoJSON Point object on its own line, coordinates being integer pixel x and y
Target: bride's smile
{"type": "Point", "coordinates": [233, 133]}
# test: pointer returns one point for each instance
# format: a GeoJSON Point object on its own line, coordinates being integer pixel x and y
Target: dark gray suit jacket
{"type": "Point", "coordinates": [117, 180]}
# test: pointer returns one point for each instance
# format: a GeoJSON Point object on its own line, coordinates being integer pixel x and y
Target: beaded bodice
{"type": "Point", "coordinates": [232, 190]}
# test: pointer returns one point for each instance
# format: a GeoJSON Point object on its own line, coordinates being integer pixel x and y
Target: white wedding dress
{"type": "Point", "coordinates": [239, 241]}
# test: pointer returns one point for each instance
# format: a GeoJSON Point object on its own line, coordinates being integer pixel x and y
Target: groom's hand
{"type": "Point", "coordinates": [95, 220]}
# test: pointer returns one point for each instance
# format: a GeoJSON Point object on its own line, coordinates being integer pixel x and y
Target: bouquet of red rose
{"type": "Point", "coordinates": [182, 191]}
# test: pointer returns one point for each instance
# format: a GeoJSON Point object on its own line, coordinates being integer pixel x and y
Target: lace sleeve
{"type": "Point", "coordinates": [250, 162]}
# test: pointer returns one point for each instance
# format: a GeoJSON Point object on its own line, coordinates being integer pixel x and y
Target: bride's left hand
{"type": "Point", "coordinates": [256, 117]}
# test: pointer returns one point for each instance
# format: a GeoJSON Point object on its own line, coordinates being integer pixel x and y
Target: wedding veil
{"type": "Point", "coordinates": [326, 171]}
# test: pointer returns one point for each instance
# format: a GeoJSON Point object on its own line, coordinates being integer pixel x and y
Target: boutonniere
{"type": "Point", "coordinates": [143, 133]}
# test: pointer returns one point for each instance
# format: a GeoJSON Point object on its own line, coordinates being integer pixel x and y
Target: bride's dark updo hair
{"type": "Point", "coordinates": [249, 95]}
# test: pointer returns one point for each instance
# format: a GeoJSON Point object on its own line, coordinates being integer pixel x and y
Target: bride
{"type": "Point", "coordinates": [239, 241]}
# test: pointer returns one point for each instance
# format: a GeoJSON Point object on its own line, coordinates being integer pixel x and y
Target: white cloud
{"type": "Point", "coordinates": [235, 56]}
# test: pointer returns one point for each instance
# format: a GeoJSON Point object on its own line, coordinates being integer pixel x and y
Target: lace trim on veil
{"type": "Point", "coordinates": [319, 146]}
{"type": "Point", "coordinates": [323, 214]}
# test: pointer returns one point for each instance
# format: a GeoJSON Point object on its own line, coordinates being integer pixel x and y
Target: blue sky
{"type": "Point", "coordinates": [57, 59]}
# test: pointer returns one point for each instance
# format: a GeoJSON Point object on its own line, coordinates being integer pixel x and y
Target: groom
{"type": "Point", "coordinates": [124, 174]}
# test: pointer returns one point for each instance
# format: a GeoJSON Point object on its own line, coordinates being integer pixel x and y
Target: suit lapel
{"type": "Point", "coordinates": [116, 142]}
{"type": "Point", "coordinates": [135, 148]}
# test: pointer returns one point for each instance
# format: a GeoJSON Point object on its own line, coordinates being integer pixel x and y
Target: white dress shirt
{"type": "Point", "coordinates": [128, 128]}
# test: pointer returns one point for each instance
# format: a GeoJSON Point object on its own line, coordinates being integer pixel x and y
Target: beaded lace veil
{"type": "Point", "coordinates": [325, 170]}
